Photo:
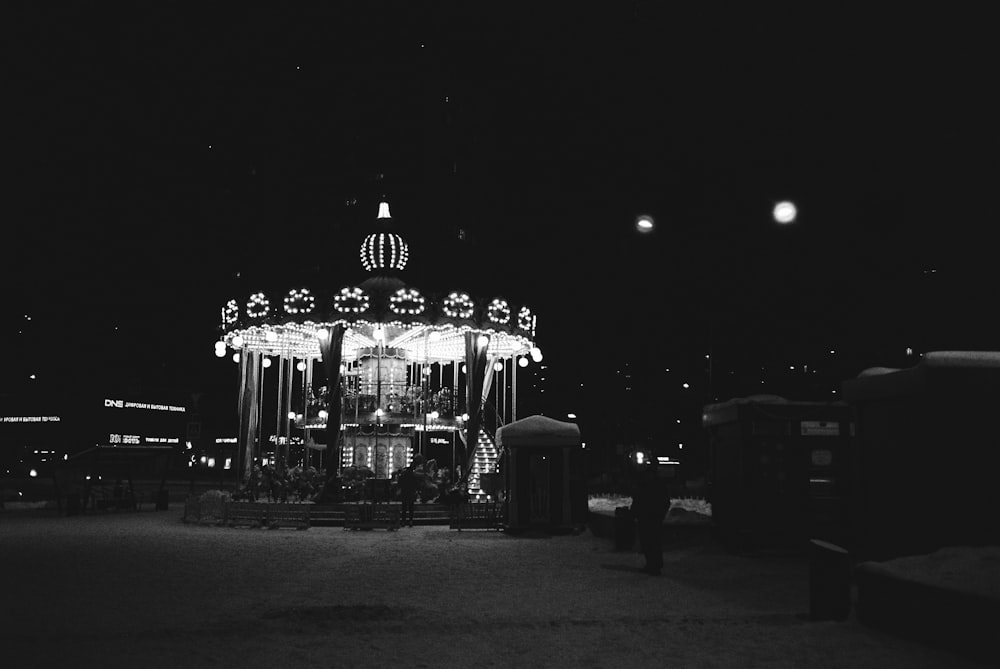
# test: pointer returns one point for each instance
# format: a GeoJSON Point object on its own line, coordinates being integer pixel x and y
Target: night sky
{"type": "Point", "coordinates": [162, 160]}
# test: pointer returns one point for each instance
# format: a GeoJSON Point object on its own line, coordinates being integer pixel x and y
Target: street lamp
{"type": "Point", "coordinates": [644, 223]}
{"type": "Point", "coordinates": [785, 212]}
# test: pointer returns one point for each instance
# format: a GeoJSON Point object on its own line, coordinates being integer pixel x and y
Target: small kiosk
{"type": "Point", "coordinates": [926, 463]}
{"type": "Point", "coordinates": [779, 471]}
{"type": "Point", "coordinates": [545, 474]}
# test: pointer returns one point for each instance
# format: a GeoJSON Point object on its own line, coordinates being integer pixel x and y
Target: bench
{"type": "Point", "coordinates": [102, 499]}
{"type": "Point", "coordinates": [287, 515]}
{"type": "Point", "coordinates": [371, 516]}
{"type": "Point", "coordinates": [476, 516]}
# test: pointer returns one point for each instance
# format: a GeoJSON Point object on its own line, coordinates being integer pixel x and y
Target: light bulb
{"type": "Point", "coordinates": [236, 357]}
{"type": "Point", "coordinates": [267, 362]}
{"type": "Point", "coordinates": [498, 366]}
{"type": "Point", "coordinates": [322, 333]}
{"type": "Point", "coordinates": [522, 362]}
{"type": "Point", "coordinates": [301, 366]}
{"type": "Point", "coordinates": [291, 415]}
{"type": "Point", "coordinates": [220, 352]}
{"type": "Point", "coordinates": [536, 354]}
{"type": "Point", "coordinates": [483, 341]}
{"type": "Point", "coordinates": [271, 335]}
{"type": "Point", "coordinates": [237, 341]}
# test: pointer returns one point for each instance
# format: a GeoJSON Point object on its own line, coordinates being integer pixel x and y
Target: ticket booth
{"type": "Point", "coordinates": [926, 463]}
{"type": "Point", "coordinates": [779, 471]}
{"type": "Point", "coordinates": [545, 474]}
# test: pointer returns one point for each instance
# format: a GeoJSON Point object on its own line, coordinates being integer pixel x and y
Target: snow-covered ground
{"type": "Point", "coordinates": [144, 589]}
{"type": "Point", "coordinates": [606, 504]}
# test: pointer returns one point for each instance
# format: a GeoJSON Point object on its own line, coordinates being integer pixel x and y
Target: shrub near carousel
{"type": "Point", "coordinates": [378, 366]}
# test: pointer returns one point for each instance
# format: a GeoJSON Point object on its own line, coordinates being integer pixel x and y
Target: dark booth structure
{"type": "Point", "coordinates": [927, 454]}
{"type": "Point", "coordinates": [779, 472]}
{"type": "Point", "coordinates": [545, 474]}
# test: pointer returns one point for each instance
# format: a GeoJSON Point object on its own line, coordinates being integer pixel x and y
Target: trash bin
{"type": "Point", "coordinates": [829, 581]}
{"type": "Point", "coordinates": [624, 529]}
{"type": "Point", "coordinates": [162, 500]}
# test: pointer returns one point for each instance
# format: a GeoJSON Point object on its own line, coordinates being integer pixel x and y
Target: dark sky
{"type": "Point", "coordinates": [163, 159]}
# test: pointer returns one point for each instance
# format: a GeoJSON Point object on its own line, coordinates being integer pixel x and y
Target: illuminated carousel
{"type": "Point", "coordinates": [374, 369]}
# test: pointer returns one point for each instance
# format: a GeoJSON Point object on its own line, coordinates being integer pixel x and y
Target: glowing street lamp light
{"type": "Point", "coordinates": [785, 212]}
{"type": "Point", "coordinates": [644, 223]}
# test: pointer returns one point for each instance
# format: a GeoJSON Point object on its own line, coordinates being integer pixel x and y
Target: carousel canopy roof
{"type": "Point", "coordinates": [382, 310]}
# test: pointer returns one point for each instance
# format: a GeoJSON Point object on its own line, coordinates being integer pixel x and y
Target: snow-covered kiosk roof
{"type": "Point", "coordinates": [970, 370]}
{"type": "Point", "coordinates": [538, 431]}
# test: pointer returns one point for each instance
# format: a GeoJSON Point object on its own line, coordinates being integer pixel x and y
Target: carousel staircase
{"type": "Point", "coordinates": [484, 462]}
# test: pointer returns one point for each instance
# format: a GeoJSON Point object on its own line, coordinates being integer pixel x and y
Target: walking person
{"type": "Point", "coordinates": [650, 504]}
{"type": "Point", "coordinates": [408, 483]}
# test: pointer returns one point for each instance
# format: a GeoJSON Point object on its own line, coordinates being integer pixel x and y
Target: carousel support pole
{"type": "Point", "coordinates": [241, 414]}
{"type": "Point", "coordinates": [306, 432]}
{"type": "Point", "coordinates": [277, 417]}
{"type": "Point", "coordinates": [513, 389]}
{"type": "Point", "coordinates": [357, 422]}
{"type": "Point", "coordinates": [258, 437]}
{"type": "Point", "coordinates": [287, 407]}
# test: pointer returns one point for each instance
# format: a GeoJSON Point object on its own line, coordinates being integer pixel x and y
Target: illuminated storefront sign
{"type": "Point", "coordinates": [31, 419]}
{"type": "Point", "coordinates": [118, 439]}
{"type": "Point", "coordinates": [124, 404]}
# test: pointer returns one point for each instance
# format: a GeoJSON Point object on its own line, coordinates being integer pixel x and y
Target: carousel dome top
{"type": "Point", "coordinates": [384, 250]}
{"type": "Point", "coordinates": [432, 325]}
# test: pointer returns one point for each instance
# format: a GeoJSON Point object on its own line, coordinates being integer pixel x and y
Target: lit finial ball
{"type": "Point", "coordinates": [220, 351]}
{"type": "Point", "coordinates": [644, 223]}
{"type": "Point", "coordinates": [522, 362]}
{"type": "Point", "coordinates": [267, 363]}
{"type": "Point", "coordinates": [291, 415]}
{"type": "Point", "coordinates": [498, 366]}
{"type": "Point", "coordinates": [536, 354]}
{"type": "Point", "coordinates": [483, 341]}
{"type": "Point", "coordinates": [237, 341]}
{"type": "Point", "coordinates": [322, 333]}
{"type": "Point", "coordinates": [301, 366]}
{"type": "Point", "coordinates": [236, 357]}
{"type": "Point", "coordinates": [785, 212]}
